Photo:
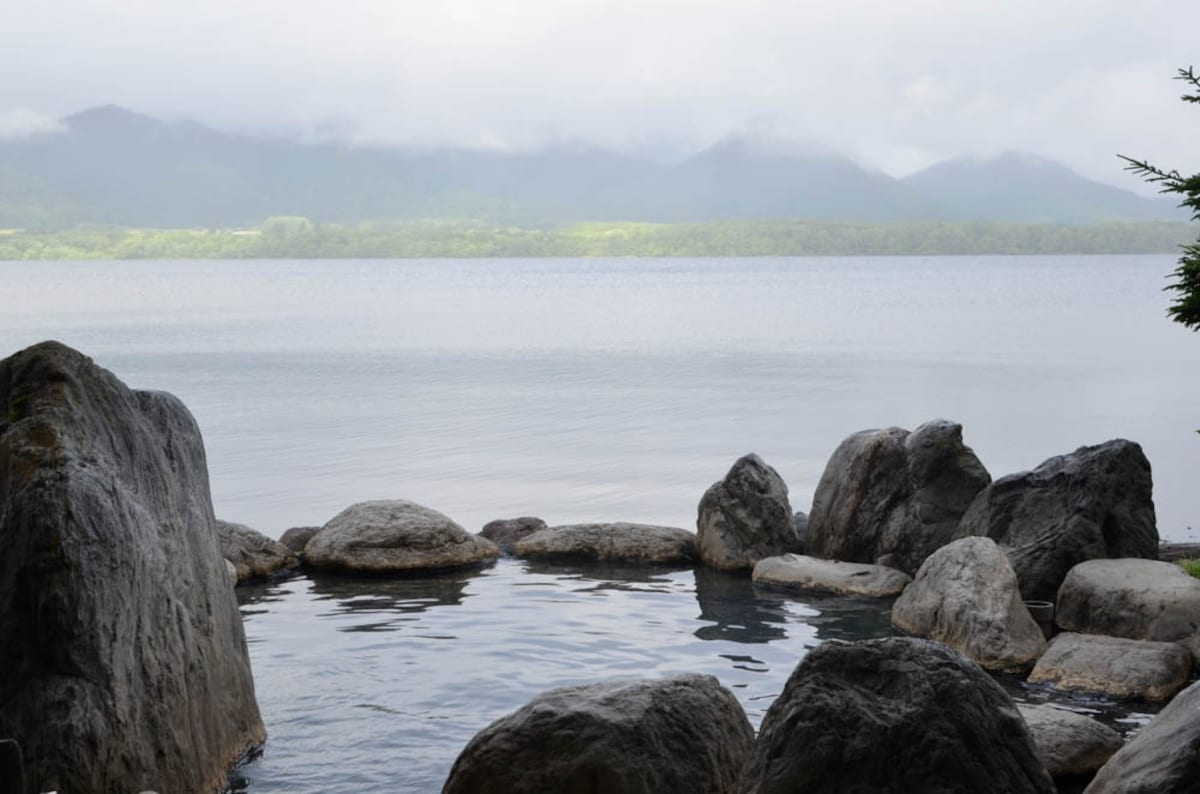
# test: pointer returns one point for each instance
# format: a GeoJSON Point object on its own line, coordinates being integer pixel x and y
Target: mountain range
{"type": "Point", "coordinates": [108, 165]}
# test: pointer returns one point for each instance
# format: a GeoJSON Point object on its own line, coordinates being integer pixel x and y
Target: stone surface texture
{"type": "Point", "coordinates": [395, 536]}
{"type": "Point", "coordinates": [505, 532]}
{"type": "Point", "coordinates": [124, 664]}
{"type": "Point", "coordinates": [1069, 744]}
{"type": "Point", "coordinates": [1114, 666]}
{"type": "Point", "coordinates": [798, 572]}
{"type": "Point", "coordinates": [1094, 503]}
{"type": "Point", "coordinates": [681, 734]}
{"type": "Point", "coordinates": [253, 554]}
{"type": "Point", "coordinates": [893, 715]}
{"type": "Point", "coordinates": [297, 538]}
{"type": "Point", "coordinates": [1138, 599]}
{"type": "Point", "coordinates": [616, 542]}
{"type": "Point", "coordinates": [966, 596]}
{"type": "Point", "coordinates": [745, 517]}
{"type": "Point", "coordinates": [893, 497]}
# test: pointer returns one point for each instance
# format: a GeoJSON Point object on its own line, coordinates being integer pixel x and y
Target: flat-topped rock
{"type": "Point", "coordinates": [798, 572]}
{"type": "Point", "coordinates": [686, 733]}
{"type": "Point", "coordinates": [395, 536]}
{"type": "Point", "coordinates": [253, 554]}
{"type": "Point", "coordinates": [1139, 599]}
{"type": "Point", "coordinates": [966, 596]}
{"type": "Point", "coordinates": [297, 538]}
{"type": "Point", "coordinates": [1163, 758]}
{"type": "Point", "coordinates": [745, 517]}
{"type": "Point", "coordinates": [1071, 745]}
{"type": "Point", "coordinates": [614, 542]}
{"type": "Point", "coordinates": [506, 532]}
{"type": "Point", "coordinates": [1114, 666]}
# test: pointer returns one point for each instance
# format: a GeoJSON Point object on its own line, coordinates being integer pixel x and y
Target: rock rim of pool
{"type": "Point", "coordinates": [803, 573]}
{"type": "Point", "coordinates": [615, 542]}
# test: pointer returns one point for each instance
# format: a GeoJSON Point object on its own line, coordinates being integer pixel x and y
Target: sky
{"type": "Point", "coordinates": [895, 85]}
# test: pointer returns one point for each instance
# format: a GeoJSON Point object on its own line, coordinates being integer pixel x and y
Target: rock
{"type": "Point", "coordinates": [1069, 744]}
{"type": "Point", "coordinates": [681, 734]}
{"type": "Point", "coordinates": [849, 578]}
{"type": "Point", "coordinates": [800, 529]}
{"type": "Point", "coordinates": [892, 715]}
{"type": "Point", "coordinates": [392, 536]}
{"type": "Point", "coordinates": [893, 497]}
{"type": "Point", "coordinates": [505, 532]}
{"type": "Point", "coordinates": [745, 517]}
{"type": "Point", "coordinates": [1093, 503]}
{"type": "Point", "coordinates": [1114, 666]}
{"type": "Point", "coordinates": [131, 671]}
{"type": "Point", "coordinates": [1164, 757]}
{"type": "Point", "coordinates": [297, 538]}
{"type": "Point", "coordinates": [1138, 599]}
{"type": "Point", "coordinates": [966, 596]}
{"type": "Point", "coordinates": [231, 571]}
{"type": "Point", "coordinates": [253, 554]}
{"type": "Point", "coordinates": [618, 542]}
{"type": "Point", "coordinates": [12, 769]}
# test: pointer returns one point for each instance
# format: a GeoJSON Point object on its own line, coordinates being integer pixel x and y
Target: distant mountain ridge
{"type": "Point", "coordinates": [112, 166]}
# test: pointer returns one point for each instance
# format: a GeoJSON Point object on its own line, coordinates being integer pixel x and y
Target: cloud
{"type": "Point", "coordinates": [23, 123]}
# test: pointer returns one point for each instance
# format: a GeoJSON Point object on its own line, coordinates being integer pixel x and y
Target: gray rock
{"type": "Point", "coordinates": [297, 538]}
{"type": "Point", "coordinates": [1069, 744]}
{"type": "Point", "coordinates": [892, 715]}
{"type": "Point", "coordinates": [505, 532]}
{"type": "Point", "coordinates": [1138, 599]}
{"type": "Point", "coordinates": [131, 671]}
{"type": "Point", "coordinates": [253, 554]}
{"type": "Point", "coordinates": [745, 517]}
{"type": "Point", "coordinates": [12, 769]}
{"type": "Point", "coordinates": [1114, 666]}
{"type": "Point", "coordinates": [966, 595]}
{"type": "Point", "coordinates": [231, 571]}
{"type": "Point", "coordinates": [893, 497]}
{"type": "Point", "coordinates": [392, 536]}
{"type": "Point", "coordinates": [795, 571]}
{"type": "Point", "coordinates": [681, 734]}
{"type": "Point", "coordinates": [1093, 503]}
{"type": "Point", "coordinates": [617, 542]}
{"type": "Point", "coordinates": [1164, 757]}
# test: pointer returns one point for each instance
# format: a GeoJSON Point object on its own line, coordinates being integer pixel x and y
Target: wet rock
{"type": "Point", "coordinates": [681, 734]}
{"type": "Point", "coordinates": [616, 542]}
{"type": "Point", "coordinates": [1114, 666]}
{"type": "Point", "coordinates": [506, 532]}
{"type": "Point", "coordinates": [253, 554]}
{"type": "Point", "coordinates": [394, 536]}
{"type": "Point", "coordinates": [745, 517]}
{"type": "Point", "coordinates": [1138, 599]}
{"type": "Point", "coordinates": [893, 497]}
{"type": "Point", "coordinates": [798, 572]}
{"type": "Point", "coordinates": [1164, 757]}
{"type": "Point", "coordinates": [966, 596]}
{"type": "Point", "coordinates": [297, 538]}
{"type": "Point", "coordinates": [1070, 745]}
{"type": "Point", "coordinates": [1093, 503]}
{"type": "Point", "coordinates": [131, 671]}
{"type": "Point", "coordinates": [892, 715]}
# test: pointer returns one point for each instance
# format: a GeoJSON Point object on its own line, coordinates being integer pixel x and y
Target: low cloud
{"type": "Point", "coordinates": [23, 123]}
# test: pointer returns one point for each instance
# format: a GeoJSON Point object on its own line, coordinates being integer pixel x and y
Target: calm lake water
{"type": "Point", "coordinates": [581, 390]}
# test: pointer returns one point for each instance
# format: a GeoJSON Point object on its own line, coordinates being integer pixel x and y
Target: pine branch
{"type": "Point", "coordinates": [1189, 76]}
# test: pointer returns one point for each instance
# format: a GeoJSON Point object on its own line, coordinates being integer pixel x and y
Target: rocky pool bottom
{"type": "Point", "coordinates": [374, 684]}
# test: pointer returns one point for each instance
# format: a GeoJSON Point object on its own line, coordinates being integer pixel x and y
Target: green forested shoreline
{"type": "Point", "coordinates": [298, 238]}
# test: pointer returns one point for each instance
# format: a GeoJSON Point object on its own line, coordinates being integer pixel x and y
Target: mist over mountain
{"type": "Point", "coordinates": [112, 166]}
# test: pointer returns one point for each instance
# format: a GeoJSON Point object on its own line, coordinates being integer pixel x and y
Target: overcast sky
{"type": "Point", "coordinates": [894, 83]}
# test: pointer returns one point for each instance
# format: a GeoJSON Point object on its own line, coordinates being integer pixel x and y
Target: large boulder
{"type": "Point", "coordinates": [893, 715]}
{"type": "Point", "coordinates": [506, 532]}
{"type": "Point", "coordinates": [1093, 503]}
{"type": "Point", "coordinates": [395, 536]}
{"type": "Point", "coordinates": [1071, 745]}
{"type": "Point", "coordinates": [685, 733]}
{"type": "Point", "coordinates": [616, 542]}
{"type": "Point", "coordinates": [124, 664]}
{"type": "Point", "coordinates": [253, 554]}
{"type": "Point", "coordinates": [745, 517]}
{"type": "Point", "coordinates": [892, 497]}
{"type": "Point", "coordinates": [1139, 599]}
{"type": "Point", "coordinates": [798, 572]}
{"type": "Point", "coordinates": [1163, 758]}
{"type": "Point", "coordinates": [1114, 666]}
{"type": "Point", "coordinates": [966, 595]}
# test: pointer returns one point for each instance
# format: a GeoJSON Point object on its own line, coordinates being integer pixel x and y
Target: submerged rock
{"type": "Point", "coordinates": [1070, 745]}
{"type": "Point", "coordinates": [124, 665]}
{"type": "Point", "coordinates": [745, 517]}
{"type": "Point", "coordinates": [892, 497]}
{"type": "Point", "coordinates": [796, 571]}
{"type": "Point", "coordinates": [1163, 758]}
{"type": "Point", "coordinates": [506, 532]}
{"type": "Point", "coordinates": [253, 554]}
{"type": "Point", "coordinates": [893, 715]}
{"type": "Point", "coordinates": [681, 734]}
{"type": "Point", "coordinates": [1093, 503]}
{"type": "Point", "coordinates": [966, 595]}
{"type": "Point", "coordinates": [617, 542]}
{"type": "Point", "coordinates": [394, 536]}
{"type": "Point", "coordinates": [1114, 665]}
{"type": "Point", "coordinates": [1138, 599]}
{"type": "Point", "coordinates": [297, 538]}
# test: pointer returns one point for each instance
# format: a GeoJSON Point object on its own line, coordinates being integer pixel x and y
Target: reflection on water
{"type": "Point", "coordinates": [733, 610]}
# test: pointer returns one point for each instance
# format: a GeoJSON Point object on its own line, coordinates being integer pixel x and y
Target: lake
{"type": "Point", "coordinates": [590, 390]}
